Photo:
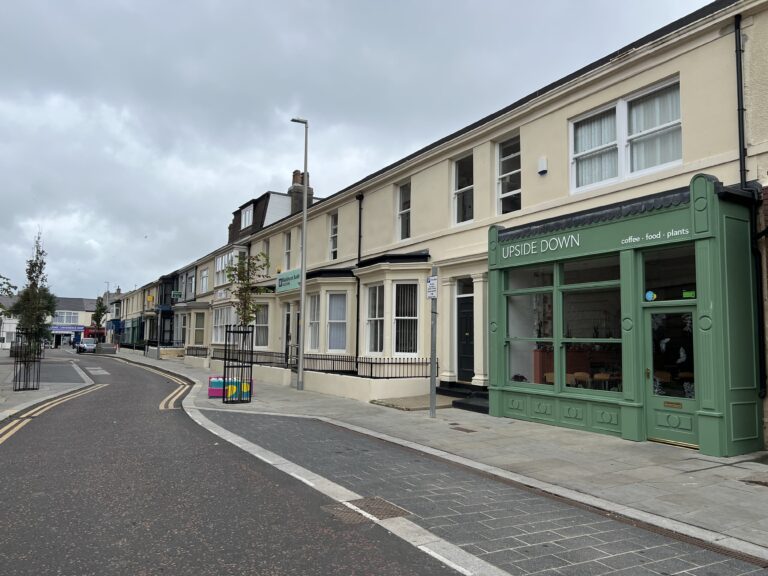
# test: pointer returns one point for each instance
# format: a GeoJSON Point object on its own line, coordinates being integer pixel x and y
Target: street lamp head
{"type": "Point", "coordinates": [299, 121]}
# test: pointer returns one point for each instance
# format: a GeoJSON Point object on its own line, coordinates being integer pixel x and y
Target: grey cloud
{"type": "Point", "coordinates": [126, 119]}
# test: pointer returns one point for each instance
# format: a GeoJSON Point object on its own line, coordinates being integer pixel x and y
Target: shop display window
{"type": "Point", "coordinates": [591, 270]}
{"type": "Point", "coordinates": [530, 277]}
{"type": "Point", "coordinates": [593, 366]}
{"type": "Point", "coordinates": [564, 325]}
{"type": "Point", "coordinates": [592, 313]}
{"type": "Point", "coordinates": [670, 274]}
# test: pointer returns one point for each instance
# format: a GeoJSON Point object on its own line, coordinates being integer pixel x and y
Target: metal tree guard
{"type": "Point", "coordinates": [26, 362]}
{"type": "Point", "coordinates": [238, 364]}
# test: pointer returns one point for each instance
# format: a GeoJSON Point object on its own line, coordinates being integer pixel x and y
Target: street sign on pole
{"type": "Point", "coordinates": [432, 286]}
{"type": "Point", "coordinates": [432, 295]}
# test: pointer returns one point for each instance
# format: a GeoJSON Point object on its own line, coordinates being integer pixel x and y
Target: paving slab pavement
{"type": "Point", "coordinates": [718, 500]}
{"type": "Point", "coordinates": [58, 375]}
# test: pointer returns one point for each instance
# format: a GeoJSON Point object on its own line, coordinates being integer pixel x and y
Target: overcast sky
{"type": "Point", "coordinates": [130, 130]}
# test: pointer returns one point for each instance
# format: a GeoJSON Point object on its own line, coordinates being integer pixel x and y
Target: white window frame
{"type": "Point", "coordinates": [199, 330]}
{"type": "Point", "coordinates": [246, 217]}
{"type": "Point", "coordinates": [265, 251]}
{"type": "Point", "coordinates": [403, 213]}
{"type": "Point", "coordinates": [343, 322]}
{"type": "Point", "coordinates": [395, 319]}
{"type": "Point", "coordinates": [375, 323]}
{"type": "Point", "coordinates": [189, 286]}
{"type": "Point", "coordinates": [222, 262]}
{"type": "Point", "coordinates": [333, 235]}
{"type": "Point", "coordinates": [501, 176]}
{"type": "Point", "coordinates": [460, 191]}
{"type": "Point", "coordinates": [204, 280]}
{"type": "Point", "coordinates": [221, 318]}
{"type": "Point", "coordinates": [65, 317]}
{"type": "Point", "coordinates": [313, 332]}
{"type": "Point", "coordinates": [287, 250]}
{"type": "Point", "coordinates": [623, 140]}
{"type": "Point", "coordinates": [261, 325]}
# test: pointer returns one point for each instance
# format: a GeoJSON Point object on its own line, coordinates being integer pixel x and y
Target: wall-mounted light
{"type": "Point", "coordinates": [542, 165]}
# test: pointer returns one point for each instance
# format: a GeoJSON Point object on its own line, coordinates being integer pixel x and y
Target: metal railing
{"type": "Point", "coordinates": [365, 367]}
{"type": "Point", "coordinates": [393, 367]}
{"type": "Point", "coordinates": [196, 351]}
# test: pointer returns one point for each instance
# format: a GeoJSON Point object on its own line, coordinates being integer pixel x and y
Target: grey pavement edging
{"type": "Point", "coordinates": [10, 412]}
{"type": "Point", "coordinates": [440, 549]}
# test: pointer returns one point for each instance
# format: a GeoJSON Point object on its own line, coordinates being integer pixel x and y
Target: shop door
{"type": "Point", "coordinates": [465, 345]}
{"type": "Point", "coordinates": [670, 377]}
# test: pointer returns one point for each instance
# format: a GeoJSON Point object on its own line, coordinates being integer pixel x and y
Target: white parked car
{"type": "Point", "coordinates": [86, 345]}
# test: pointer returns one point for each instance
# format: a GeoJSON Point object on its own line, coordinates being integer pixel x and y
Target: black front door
{"type": "Point", "coordinates": [465, 346]}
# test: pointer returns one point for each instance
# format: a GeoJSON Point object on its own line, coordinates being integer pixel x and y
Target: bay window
{"type": "Point", "coordinates": [406, 318]}
{"type": "Point", "coordinates": [261, 326]}
{"type": "Point", "coordinates": [314, 321]}
{"type": "Point", "coordinates": [337, 321]}
{"type": "Point", "coordinates": [376, 318]}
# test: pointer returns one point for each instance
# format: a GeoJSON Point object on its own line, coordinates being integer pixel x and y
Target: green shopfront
{"type": "Point", "coordinates": [636, 320]}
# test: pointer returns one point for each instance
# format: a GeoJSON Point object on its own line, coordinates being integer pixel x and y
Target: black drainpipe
{"type": "Point", "coordinates": [753, 211]}
{"type": "Point", "coordinates": [359, 199]}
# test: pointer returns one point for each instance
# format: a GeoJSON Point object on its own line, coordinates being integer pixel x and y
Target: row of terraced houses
{"type": "Point", "coordinates": [598, 247]}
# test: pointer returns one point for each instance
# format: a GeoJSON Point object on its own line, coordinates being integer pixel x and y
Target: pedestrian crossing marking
{"type": "Point", "coordinates": [97, 370]}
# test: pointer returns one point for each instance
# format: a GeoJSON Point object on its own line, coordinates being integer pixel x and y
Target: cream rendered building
{"type": "Point", "coordinates": [516, 167]}
{"type": "Point", "coordinates": [640, 122]}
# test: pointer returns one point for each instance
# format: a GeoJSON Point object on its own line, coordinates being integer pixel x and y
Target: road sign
{"type": "Point", "coordinates": [432, 287]}
{"type": "Point", "coordinates": [176, 294]}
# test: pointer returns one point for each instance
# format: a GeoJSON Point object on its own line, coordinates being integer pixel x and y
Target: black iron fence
{"type": "Point", "coordinates": [365, 367]}
{"type": "Point", "coordinates": [196, 351]}
{"type": "Point", "coordinates": [393, 367]}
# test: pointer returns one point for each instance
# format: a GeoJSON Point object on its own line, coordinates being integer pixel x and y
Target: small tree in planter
{"type": "Point", "coordinates": [243, 274]}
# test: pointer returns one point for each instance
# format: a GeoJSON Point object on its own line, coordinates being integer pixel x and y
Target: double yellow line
{"type": "Point", "coordinates": [15, 425]}
{"type": "Point", "coordinates": [169, 401]}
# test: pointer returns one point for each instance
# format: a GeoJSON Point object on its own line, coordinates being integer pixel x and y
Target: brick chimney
{"type": "Point", "coordinates": [296, 192]}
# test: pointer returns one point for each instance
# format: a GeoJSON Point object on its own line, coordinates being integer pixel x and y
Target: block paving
{"type": "Point", "coordinates": [514, 528]}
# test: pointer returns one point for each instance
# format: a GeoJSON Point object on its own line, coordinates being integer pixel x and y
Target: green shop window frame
{"type": "Point", "coordinates": [549, 346]}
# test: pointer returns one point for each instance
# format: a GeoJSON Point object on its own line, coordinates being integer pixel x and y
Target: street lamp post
{"type": "Point", "coordinates": [303, 287]}
{"type": "Point", "coordinates": [106, 330]}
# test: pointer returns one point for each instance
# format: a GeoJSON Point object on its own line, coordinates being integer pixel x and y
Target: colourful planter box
{"type": "Point", "coordinates": [216, 387]}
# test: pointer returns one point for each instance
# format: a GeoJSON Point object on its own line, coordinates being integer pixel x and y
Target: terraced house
{"type": "Point", "coordinates": [597, 244]}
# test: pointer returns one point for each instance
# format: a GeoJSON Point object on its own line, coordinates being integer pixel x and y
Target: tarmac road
{"type": "Point", "coordinates": [107, 482]}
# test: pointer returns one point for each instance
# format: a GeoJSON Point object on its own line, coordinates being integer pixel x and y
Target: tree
{"type": "Point", "coordinates": [6, 288]}
{"type": "Point", "coordinates": [35, 302]}
{"type": "Point", "coordinates": [243, 274]}
{"type": "Point", "coordinates": [99, 312]}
